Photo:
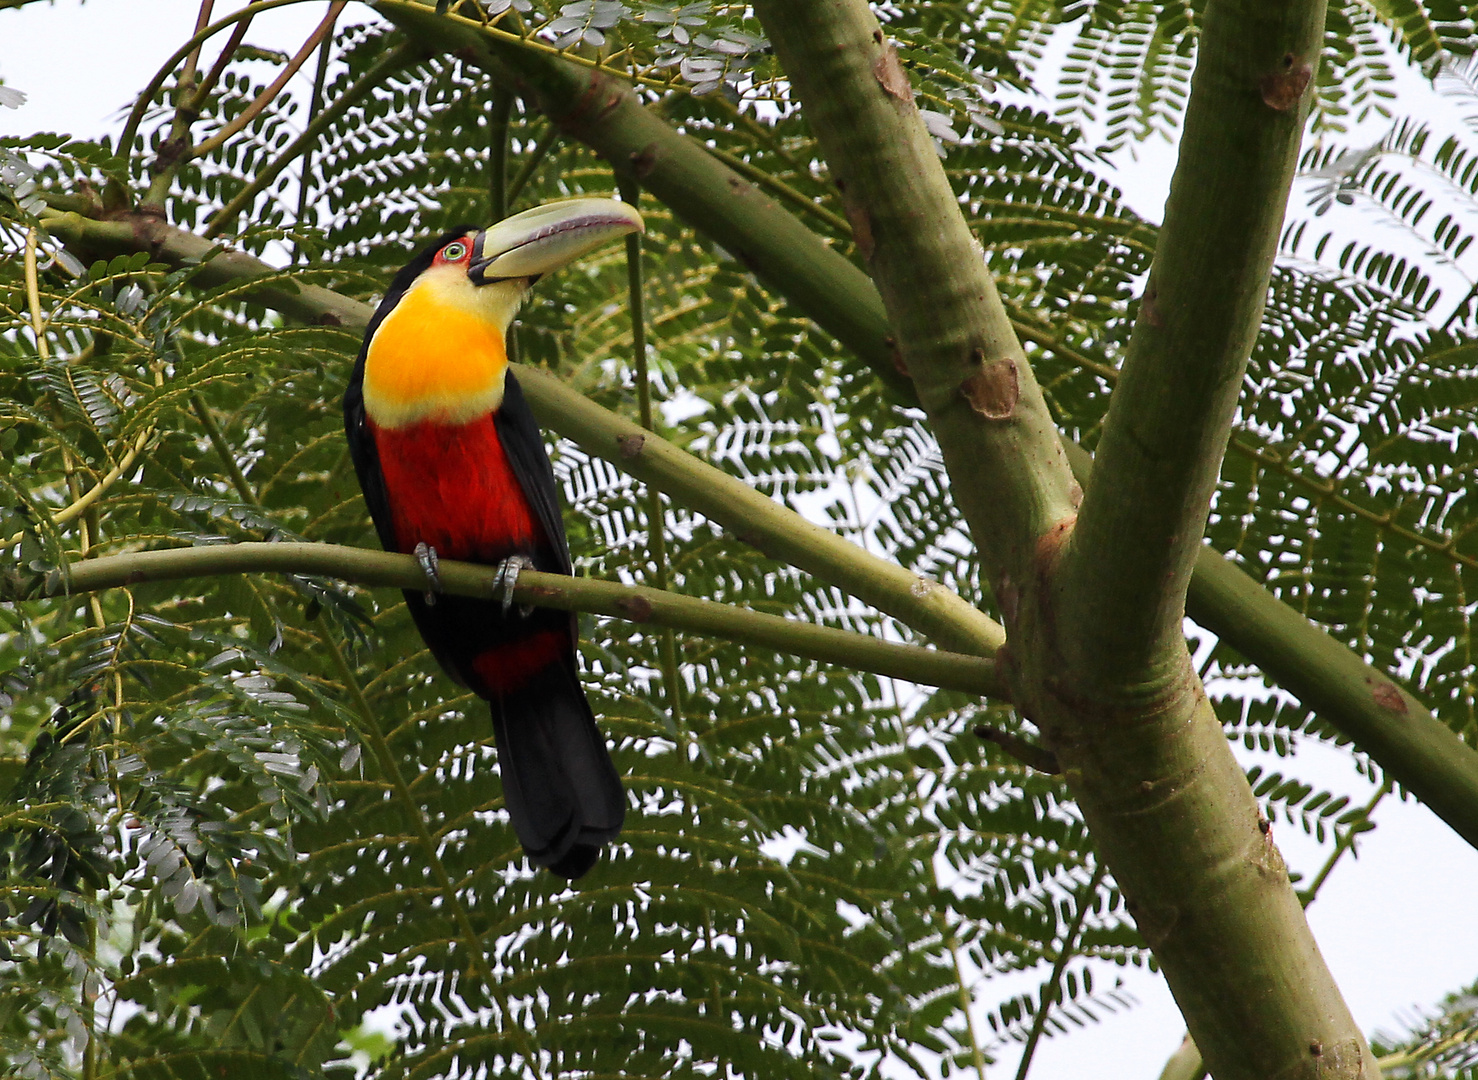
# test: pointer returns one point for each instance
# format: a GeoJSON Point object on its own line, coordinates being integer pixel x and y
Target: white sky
{"type": "Point", "coordinates": [1397, 926]}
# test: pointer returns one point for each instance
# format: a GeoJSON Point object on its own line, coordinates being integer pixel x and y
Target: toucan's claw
{"type": "Point", "coordinates": [430, 566]}
{"type": "Point", "coordinates": [508, 578]}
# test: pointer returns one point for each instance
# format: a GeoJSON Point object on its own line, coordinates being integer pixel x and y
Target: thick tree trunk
{"type": "Point", "coordinates": [1093, 605]}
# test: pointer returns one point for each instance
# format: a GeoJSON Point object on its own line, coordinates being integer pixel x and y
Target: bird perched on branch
{"type": "Point", "coordinates": [453, 466]}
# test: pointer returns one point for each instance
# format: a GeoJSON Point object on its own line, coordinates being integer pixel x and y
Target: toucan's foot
{"type": "Point", "coordinates": [508, 577]}
{"type": "Point", "coordinates": [430, 566]}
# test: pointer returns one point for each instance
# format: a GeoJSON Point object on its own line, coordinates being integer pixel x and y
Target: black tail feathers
{"type": "Point", "coordinates": [560, 786]}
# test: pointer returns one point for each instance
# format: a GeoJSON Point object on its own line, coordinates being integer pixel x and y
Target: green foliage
{"type": "Point", "coordinates": [1317, 813]}
{"type": "Point", "coordinates": [208, 863]}
{"type": "Point", "coordinates": [1440, 1044]}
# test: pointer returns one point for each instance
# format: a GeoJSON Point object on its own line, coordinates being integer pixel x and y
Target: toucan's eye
{"type": "Point", "coordinates": [456, 251]}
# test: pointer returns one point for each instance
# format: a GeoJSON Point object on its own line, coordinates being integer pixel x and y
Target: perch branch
{"type": "Point", "coordinates": [655, 607]}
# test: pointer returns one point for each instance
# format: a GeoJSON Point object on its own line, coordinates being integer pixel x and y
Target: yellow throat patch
{"type": "Point", "coordinates": [439, 355]}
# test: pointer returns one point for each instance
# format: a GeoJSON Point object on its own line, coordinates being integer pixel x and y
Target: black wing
{"type": "Point", "coordinates": [366, 457]}
{"type": "Point", "coordinates": [524, 444]}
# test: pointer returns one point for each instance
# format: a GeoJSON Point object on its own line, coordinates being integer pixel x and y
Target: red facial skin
{"type": "Point", "coordinates": [461, 260]}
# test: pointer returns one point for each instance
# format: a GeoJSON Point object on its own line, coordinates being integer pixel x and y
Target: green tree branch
{"type": "Point", "coordinates": [1052, 989]}
{"type": "Point", "coordinates": [656, 518]}
{"type": "Point", "coordinates": [1007, 469]}
{"type": "Point", "coordinates": [604, 113]}
{"type": "Point", "coordinates": [1371, 709]}
{"type": "Point", "coordinates": [655, 607]}
{"type": "Point", "coordinates": [1170, 416]}
{"type": "Point", "coordinates": [780, 533]}
{"type": "Point", "coordinates": [141, 104]}
{"type": "Point", "coordinates": [1419, 750]}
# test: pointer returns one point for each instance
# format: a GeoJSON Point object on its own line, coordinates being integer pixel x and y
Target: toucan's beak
{"type": "Point", "coordinates": [547, 237]}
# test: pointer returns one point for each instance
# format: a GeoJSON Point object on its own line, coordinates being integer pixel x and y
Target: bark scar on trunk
{"type": "Point", "coordinates": [891, 76]}
{"type": "Point", "coordinates": [994, 389]}
{"type": "Point", "coordinates": [1284, 89]}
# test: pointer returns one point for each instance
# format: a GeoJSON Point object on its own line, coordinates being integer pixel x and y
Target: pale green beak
{"type": "Point", "coordinates": [537, 241]}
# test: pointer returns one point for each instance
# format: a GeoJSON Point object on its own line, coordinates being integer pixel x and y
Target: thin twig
{"type": "Point", "coordinates": [656, 519]}
{"type": "Point", "coordinates": [1345, 843]}
{"type": "Point", "coordinates": [33, 296]}
{"type": "Point", "coordinates": [202, 20]}
{"type": "Point", "coordinates": [763, 133]}
{"type": "Point", "coordinates": [267, 96]}
{"type": "Point", "coordinates": [500, 110]}
{"type": "Point", "coordinates": [1053, 985]}
{"type": "Point", "coordinates": [1269, 459]}
{"type": "Point", "coordinates": [784, 191]}
{"type": "Point", "coordinates": [977, 1052]}
{"type": "Point", "coordinates": [189, 101]}
{"type": "Point", "coordinates": [533, 44]}
{"type": "Point", "coordinates": [80, 503]}
{"type": "Point", "coordinates": [202, 92]}
{"type": "Point", "coordinates": [97, 491]}
{"type": "Point", "coordinates": [635, 603]}
{"type": "Point", "coordinates": [141, 104]}
{"type": "Point", "coordinates": [305, 142]}
{"type": "Point", "coordinates": [1326, 489]}
{"type": "Point", "coordinates": [186, 112]}
{"type": "Point", "coordinates": [305, 180]}
{"type": "Point", "coordinates": [498, 115]}
{"type": "Point", "coordinates": [223, 451]}
{"type": "Point", "coordinates": [88, 1009]}
{"type": "Point", "coordinates": [536, 158]}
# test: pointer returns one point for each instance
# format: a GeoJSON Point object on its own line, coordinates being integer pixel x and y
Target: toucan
{"type": "Point", "coordinates": [453, 466]}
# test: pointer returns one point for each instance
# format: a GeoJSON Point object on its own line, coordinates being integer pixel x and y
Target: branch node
{"type": "Point", "coordinates": [1155, 922]}
{"type": "Point", "coordinates": [1149, 307]}
{"type": "Point", "coordinates": [170, 153]}
{"type": "Point", "coordinates": [861, 222]}
{"type": "Point", "coordinates": [1008, 595]}
{"type": "Point", "coordinates": [643, 161]}
{"type": "Point", "coordinates": [630, 446]}
{"type": "Point", "coordinates": [20, 585]}
{"type": "Point", "coordinates": [1050, 544]}
{"type": "Point", "coordinates": [900, 365]}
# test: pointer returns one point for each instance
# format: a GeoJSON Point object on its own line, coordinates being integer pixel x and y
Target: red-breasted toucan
{"type": "Point", "coordinates": [453, 466]}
